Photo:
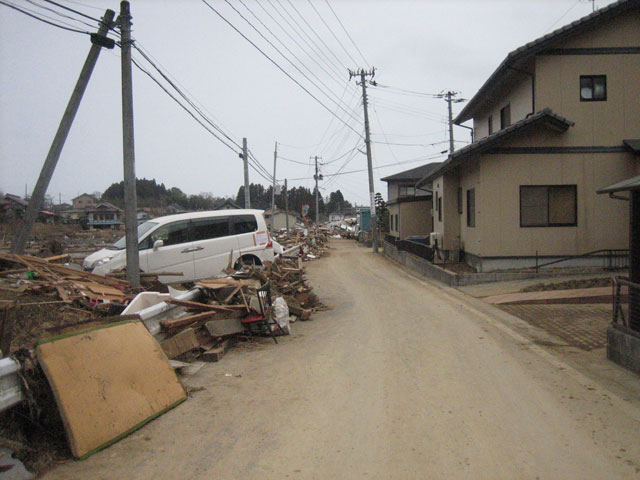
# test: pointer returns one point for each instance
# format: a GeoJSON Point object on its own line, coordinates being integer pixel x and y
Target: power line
{"type": "Point", "coordinates": [32, 15]}
{"type": "Point", "coordinates": [60, 14]}
{"type": "Point", "coordinates": [402, 90]}
{"type": "Point", "coordinates": [332, 33]}
{"type": "Point", "coordinates": [72, 10]}
{"type": "Point", "coordinates": [347, 32]}
{"type": "Point", "coordinates": [276, 64]}
{"type": "Point", "coordinates": [288, 60]}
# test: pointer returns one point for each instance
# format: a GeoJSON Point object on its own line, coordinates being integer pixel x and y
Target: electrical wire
{"type": "Point", "coordinates": [88, 17]}
{"type": "Point", "coordinates": [402, 90]}
{"type": "Point", "coordinates": [60, 14]}
{"type": "Point", "coordinates": [288, 60]}
{"type": "Point", "coordinates": [347, 32]}
{"type": "Point", "coordinates": [355, 62]}
{"type": "Point", "coordinates": [276, 64]}
{"type": "Point", "coordinates": [33, 15]}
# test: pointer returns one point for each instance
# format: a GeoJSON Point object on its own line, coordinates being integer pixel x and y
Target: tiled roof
{"type": "Point", "coordinates": [414, 174]}
{"type": "Point", "coordinates": [625, 185]}
{"type": "Point", "coordinates": [536, 46]}
{"type": "Point", "coordinates": [544, 117]}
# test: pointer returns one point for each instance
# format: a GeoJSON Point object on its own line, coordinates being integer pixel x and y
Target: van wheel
{"type": "Point", "coordinates": [249, 260]}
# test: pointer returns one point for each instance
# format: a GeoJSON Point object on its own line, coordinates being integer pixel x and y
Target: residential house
{"type": "Point", "coordinates": [142, 216]}
{"type": "Point", "coordinates": [556, 121]}
{"type": "Point", "coordinates": [279, 219]}
{"type": "Point", "coordinates": [410, 207]}
{"type": "Point", "coordinates": [226, 204]}
{"type": "Point", "coordinates": [104, 215]}
{"type": "Point", "coordinates": [83, 201]}
{"type": "Point", "coordinates": [13, 206]}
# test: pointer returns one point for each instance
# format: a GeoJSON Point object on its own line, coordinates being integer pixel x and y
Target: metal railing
{"type": "Point", "coordinates": [390, 239]}
{"type": "Point", "coordinates": [626, 304]}
{"type": "Point", "coordinates": [419, 249]}
{"type": "Point", "coordinates": [612, 259]}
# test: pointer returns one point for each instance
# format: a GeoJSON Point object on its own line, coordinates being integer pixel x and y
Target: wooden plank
{"type": "Point", "coordinates": [197, 320]}
{"type": "Point", "coordinates": [55, 258]}
{"type": "Point", "coordinates": [180, 343]}
{"type": "Point", "coordinates": [200, 306]}
{"type": "Point", "coordinates": [215, 354]}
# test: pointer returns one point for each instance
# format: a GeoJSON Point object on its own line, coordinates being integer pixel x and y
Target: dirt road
{"type": "Point", "coordinates": [402, 379]}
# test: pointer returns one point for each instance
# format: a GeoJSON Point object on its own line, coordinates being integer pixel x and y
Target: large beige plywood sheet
{"type": "Point", "coordinates": [108, 381]}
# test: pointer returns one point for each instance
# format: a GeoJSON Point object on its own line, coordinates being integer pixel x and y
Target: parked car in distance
{"type": "Point", "coordinates": [196, 244]}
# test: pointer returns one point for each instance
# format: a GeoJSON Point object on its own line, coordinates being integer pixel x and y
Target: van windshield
{"type": "Point", "coordinates": [142, 229]}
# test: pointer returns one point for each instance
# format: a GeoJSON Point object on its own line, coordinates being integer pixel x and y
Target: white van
{"type": "Point", "coordinates": [198, 244]}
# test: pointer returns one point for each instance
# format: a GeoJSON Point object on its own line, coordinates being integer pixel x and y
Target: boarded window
{"type": "Point", "coordinates": [471, 207]}
{"type": "Point", "coordinates": [593, 88]}
{"type": "Point", "coordinates": [210, 228]}
{"type": "Point", "coordinates": [548, 206]}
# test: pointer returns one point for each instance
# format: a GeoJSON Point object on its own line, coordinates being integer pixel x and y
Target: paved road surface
{"type": "Point", "coordinates": [402, 379]}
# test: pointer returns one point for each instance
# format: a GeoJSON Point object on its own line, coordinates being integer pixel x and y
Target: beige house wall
{"type": "Point", "coordinates": [414, 218]}
{"type": "Point", "coordinates": [519, 96]}
{"type": "Point", "coordinates": [602, 222]}
{"type": "Point", "coordinates": [447, 189]}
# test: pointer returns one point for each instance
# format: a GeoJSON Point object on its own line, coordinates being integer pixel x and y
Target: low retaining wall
{"type": "Point", "coordinates": [623, 348]}
{"type": "Point", "coordinates": [428, 269]}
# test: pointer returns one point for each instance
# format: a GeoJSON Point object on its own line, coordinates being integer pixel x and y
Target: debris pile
{"type": "Point", "coordinates": [307, 245]}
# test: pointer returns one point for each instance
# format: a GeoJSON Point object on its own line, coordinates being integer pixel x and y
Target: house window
{"type": "Point", "coordinates": [593, 88]}
{"type": "Point", "coordinates": [397, 227]}
{"type": "Point", "coordinates": [505, 116]}
{"type": "Point", "coordinates": [460, 200]}
{"type": "Point", "coordinates": [391, 223]}
{"type": "Point", "coordinates": [471, 207]}
{"type": "Point", "coordinates": [439, 209]}
{"type": "Point", "coordinates": [490, 124]}
{"type": "Point", "coordinates": [548, 206]}
{"type": "Point", "coordinates": [407, 191]}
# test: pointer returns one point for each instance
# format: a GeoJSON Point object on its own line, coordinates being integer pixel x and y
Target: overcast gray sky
{"type": "Point", "coordinates": [421, 45]}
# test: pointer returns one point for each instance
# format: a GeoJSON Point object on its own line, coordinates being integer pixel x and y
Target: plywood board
{"type": "Point", "coordinates": [108, 381]}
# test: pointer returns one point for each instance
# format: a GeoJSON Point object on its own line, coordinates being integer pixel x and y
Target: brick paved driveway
{"type": "Point", "coordinates": [583, 326]}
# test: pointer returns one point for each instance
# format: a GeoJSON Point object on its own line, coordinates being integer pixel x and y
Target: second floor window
{"type": "Point", "coordinates": [490, 124]}
{"type": "Point", "coordinates": [407, 191]}
{"type": "Point", "coordinates": [593, 88]}
{"type": "Point", "coordinates": [505, 116]}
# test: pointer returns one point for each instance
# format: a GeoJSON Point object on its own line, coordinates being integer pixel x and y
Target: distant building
{"type": "Point", "coordinates": [279, 219]}
{"type": "Point", "coordinates": [226, 204]}
{"type": "Point", "coordinates": [83, 201]}
{"type": "Point", "coordinates": [104, 215]}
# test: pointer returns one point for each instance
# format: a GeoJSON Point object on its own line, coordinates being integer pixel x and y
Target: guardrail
{"type": "Point", "coordinates": [626, 304]}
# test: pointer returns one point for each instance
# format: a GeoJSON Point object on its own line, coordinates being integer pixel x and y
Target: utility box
{"type": "Point", "coordinates": [363, 216]}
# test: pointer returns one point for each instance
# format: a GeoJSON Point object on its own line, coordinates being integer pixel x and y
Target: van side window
{"type": "Point", "coordinates": [172, 234]}
{"type": "Point", "coordinates": [210, 228]}
{"type": "Point", "coordinates": [244, 224]}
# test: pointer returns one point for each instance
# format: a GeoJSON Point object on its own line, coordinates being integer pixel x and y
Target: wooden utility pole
{"type": "Point", "coordinates": [448, 97]}
{"type": "Point", "coordinates": [273, 188]}
{"type": "Point", "coordinates": [129, 161]}
{"type": "Point", "coordinates": [367, 140]}
{"type": "Point", "coordinates": [245, 159]}
{"type": "Point", "coordinates": [317, 177]}
{"type": "Point", "coordinates": [286, 204]}
{"type": "Point", "coordinates": [98, 40]}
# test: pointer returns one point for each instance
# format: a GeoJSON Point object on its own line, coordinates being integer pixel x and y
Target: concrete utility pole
{"type": "Point", "coordinates": [128, 158]}
{"type": "Point", "coordinates": [286, 204]}
{"type": "Point", "coordinates": [245, 159]}
{"type": "Point", "coordinates": [317, 177]}
{"type": "Point", "coordinates": [448, 97]}
{"type": "Point", "coordinates": [98, 40]}
{"type": "Point", "coordinates": [273, 187]}
{"type": "Point", "coordinates": [367, 140]}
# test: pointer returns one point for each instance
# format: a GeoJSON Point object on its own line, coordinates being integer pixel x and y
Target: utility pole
{"type": "Point", "coordinates": [128, 150]}
{"type": "Point", "coordinates": [98, 40]}
{"type": "Point", "coordinates": [286, 204]}
{"type": "Point", "coordinates": [245, 158]}
{"type": "Point", "coordinates": [317, 177]}
{"type": "Point", "coordinates": [448, 97]}
{"type": "Point", "coordinates": [273, 188]}
{"type": "Point", "coordinates": [367, 140]}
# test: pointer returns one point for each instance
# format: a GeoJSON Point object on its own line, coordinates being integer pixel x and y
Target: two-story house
{"type": "Point", "coordinates": [557, 120]}
{"type": "Point", "coordinates": [410, 208]}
